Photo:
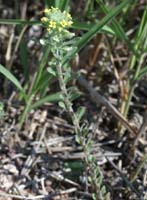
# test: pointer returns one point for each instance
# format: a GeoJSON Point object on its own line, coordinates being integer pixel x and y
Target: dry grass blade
{"type": "Point", "coordinates": [141, 130]}
{"type": "Point", "coordinates": [56, 194]}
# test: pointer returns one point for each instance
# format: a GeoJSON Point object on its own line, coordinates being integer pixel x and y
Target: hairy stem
{"type": "Point", "coordinates": [78, 130]}
{"type": "Point", "coordinates": [67, 102]}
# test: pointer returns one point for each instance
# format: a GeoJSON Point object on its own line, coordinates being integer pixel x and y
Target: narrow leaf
{"type": "Point", "coordinates": [12, 78]}
{"type": "Point", "coordinates": [50, 98]}
{"type": "Point", "coordinates": [95, 29]}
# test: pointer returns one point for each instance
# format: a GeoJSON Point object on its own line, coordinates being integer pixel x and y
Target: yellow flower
{"type": "Point", "coordinates": [68, 15]}
{"type": "Point", "coordinates": [55, 19]}
{"type": "Point", "coordinates": [44, 19]}
{"type": "Point", "coordinates": [70, 23]}
{"type": "Point", "coordinates": [64, 23]}
{"type": "Point", "coordinates": [52, 24]}
{"type": "Point", "coordinates": [54, 9]}
{"type": "Point", "coordinates": [47, 11]}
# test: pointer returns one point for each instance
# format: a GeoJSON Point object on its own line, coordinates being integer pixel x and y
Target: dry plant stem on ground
{"type": "Point", "coordinates": [99, 99]}
{"type": "Point", "coordinates": [38, 197]}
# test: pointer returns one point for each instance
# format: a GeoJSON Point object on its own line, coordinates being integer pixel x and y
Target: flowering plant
{"type": "Point", "coordinates": [56, 24]}
{"type": "Point", "coordinates": [61, 41]}
{"type": "Point", "coordinates": [56, 20]}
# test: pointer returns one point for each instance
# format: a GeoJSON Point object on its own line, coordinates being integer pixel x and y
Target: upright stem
{"type": "Point", "coordinates": [68, 104]}
{"type": "Point", "coordinates": [91, 164]}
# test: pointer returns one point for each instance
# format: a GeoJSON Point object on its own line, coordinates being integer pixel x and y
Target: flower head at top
{"type": "Point", "coordinates": [56, 20]}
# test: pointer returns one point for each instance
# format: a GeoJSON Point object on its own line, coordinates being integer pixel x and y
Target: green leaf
{"type": "Point", "coordinates": [12, 78]}
{"type": "Point", "coordinates": [1, 109]}
{"type": "Point", "coordinates": [67, 76]}
{"type": "Point", "coordinates": [94, 196]}
{"type": "Point", "coordinates": [62, 105]}
{"type": "Point", "coordinates": [99, 180]}
{"type": "Point", "coordinates": [23, 51]}
{"type": "Point", "coordinates": [52, 71]}
{"type": "Point", "coordinates": [77, 139]}
{"type": "Point", "coordinates": [87, 27]}
{"type": "Point", "coordinates": [116, 27]}
{"type": "Point", "coordinates": [90, 179]}
{"type": "Point", "coordinates": [43, 42]}
{"type": "Point", "coordinates": [95, 29]}
{"type": "Point", "coordinates": [75, 165]}
{"type": "Point", "coordinates": [74, 96]}
{"type": "Point", "coordinates": [18, 21]}
{"type": "Point", "coordinates": [50, 98]}
{"type": "Point", "coordinates": [142, 73]}
{"type": "Point", "coordinates": [103, 190]}
{"type": "Point", "coordinates": [42, 64]}
{"type": "Point", "coordinates": [62, 4]}
{"type": "Point", "coordinates": [80, 112]}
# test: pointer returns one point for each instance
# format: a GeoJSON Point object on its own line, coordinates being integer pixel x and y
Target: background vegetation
{"type": "Point", "coordinates": [73, 104]}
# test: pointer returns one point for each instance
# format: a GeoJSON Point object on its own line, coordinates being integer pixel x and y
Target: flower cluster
{"type": "Point", "coordinates": [56, 20]}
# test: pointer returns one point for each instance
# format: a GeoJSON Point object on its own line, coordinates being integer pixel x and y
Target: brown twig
{"type": "Point", "coordinates": [99, 99]}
